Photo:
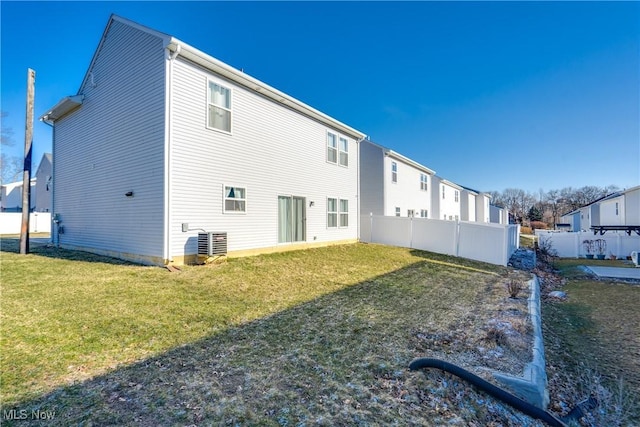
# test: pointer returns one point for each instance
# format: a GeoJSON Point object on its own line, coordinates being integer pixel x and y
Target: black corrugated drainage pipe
{"type": "Point", "coordinates": [498, 393]}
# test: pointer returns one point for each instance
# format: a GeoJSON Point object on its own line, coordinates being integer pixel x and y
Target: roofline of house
{"type": "Point", "coordinates": [196, 56]}
{"type": "Point", "coordinates": [451, 184]}
{"type": "Point", "coordinates": [177, 47]}
{"type": "Point", "coordinates": [398, 156]}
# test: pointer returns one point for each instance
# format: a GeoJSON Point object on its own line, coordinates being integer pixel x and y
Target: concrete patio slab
{"type": "Point", "coordinates": [614, 272]}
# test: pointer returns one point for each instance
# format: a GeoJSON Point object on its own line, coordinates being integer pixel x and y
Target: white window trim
{"type": "Point", "coordinates": [398, 212]}
{"type": "Point", "coordinates": [206, 112]}
{"type": "Point", "coordinates": [224, 199]}
{"type": "Point", "coordinates": [394, 174]}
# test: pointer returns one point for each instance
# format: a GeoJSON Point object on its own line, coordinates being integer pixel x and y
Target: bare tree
{"type": "Point", "coordinates": [10, 166]}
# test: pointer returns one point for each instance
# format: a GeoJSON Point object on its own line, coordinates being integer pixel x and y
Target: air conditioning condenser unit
{"type": "Point", "coordinates": [212, 243]}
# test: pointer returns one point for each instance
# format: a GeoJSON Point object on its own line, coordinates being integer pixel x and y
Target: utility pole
{"type": "Point", "coordinates": [26, 176]}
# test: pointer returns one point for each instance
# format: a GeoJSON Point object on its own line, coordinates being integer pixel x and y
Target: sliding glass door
{"type": "Point", "coordinates": [291, 219]}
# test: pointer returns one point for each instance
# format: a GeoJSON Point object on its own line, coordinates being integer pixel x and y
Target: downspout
{"type": "Point", "coordinates": [358, 192]}
{"type": "Point", "coordinates": [167, 153]}
{"type": "Point", "coordinates": [54, 224]}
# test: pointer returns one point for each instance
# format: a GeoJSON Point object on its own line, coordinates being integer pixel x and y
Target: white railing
{"type": "Point", "coordinates": [492, 243]}
{"type": "Point", "coordinates": [11, 222]}
{"type": "Point", "coordinates": [569, 244]}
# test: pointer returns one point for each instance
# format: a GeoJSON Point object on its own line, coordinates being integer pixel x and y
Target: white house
{"type": "Point", "coordinates": [163, 141]}
{"type": "Point", "coordinates": [498, 214]}
{"type": "Point", "coordinates": [392, 184]}
{"type": "Point", "coordinates": [44, 185]}
{"type": "Point", "coordinates": [11, 196]}
{"type": "Point", "coordinates": [620, 208]}
{"type": "Point", "coordinates": [447, 196]}
{"type": "Point", "coordinates": [468, 198]}
{"type": "Point", "coordinates": [483, 208]}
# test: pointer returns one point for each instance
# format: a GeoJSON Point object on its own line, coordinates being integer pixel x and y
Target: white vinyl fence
{"type": "Point", "coordinates": [492, 243]}
{"type": "Point", "coordinates": [569, 244]}
{"type": "Point", "coordinates": [11, 222]}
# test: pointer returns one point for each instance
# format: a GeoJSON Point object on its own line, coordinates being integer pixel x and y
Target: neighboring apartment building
{"type": "Point", "coordinates": [163, 141]}
{"type": "Point", "coordinates": [392, 184]}
{"type": "Point", "coordinates": [446, 199]}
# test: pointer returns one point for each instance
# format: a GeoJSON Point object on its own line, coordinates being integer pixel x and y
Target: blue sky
{"type": "Point", "coordinates": [490, 95]}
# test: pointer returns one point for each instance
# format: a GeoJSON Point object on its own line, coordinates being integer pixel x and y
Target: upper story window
{"type": "Point", "coordinates": [332, 148]}
{"type": "Point", "coordinates": [235, 199]}
{"type": "Point", "coordinates": [344, 152]}
{"type": "Point", "coordinates": [394, 172]}
{"type": "Point", "coordinates": [219, 107]}
{"type": "Point", "coordinates": [424, 213]}
{"type": "Point", "coordinates": [397, 211]}
{"type": "Point", "coordinates": [616, 208]}
{"type": "Point", "coordinates": [457, 196]}
{"type": "Point", "coordinates": [443, 191]}
{"type": "Point", "coordinates": [423, 182]}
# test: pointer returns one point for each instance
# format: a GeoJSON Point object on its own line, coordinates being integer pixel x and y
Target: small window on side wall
{"type": "Point", "coordinates": [219, 107]}
{"type": "Point", "coordinates": [235, 200]}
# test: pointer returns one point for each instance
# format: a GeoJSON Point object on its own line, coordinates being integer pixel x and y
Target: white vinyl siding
{"type": "Point", "coordinates": [111, 145]}
{"type": "Point", "coordinates": [203, 161]}
{"type": "Point", "coordinates": [450, 205]}
{"type": "Point", "coordinates": [406, 193]}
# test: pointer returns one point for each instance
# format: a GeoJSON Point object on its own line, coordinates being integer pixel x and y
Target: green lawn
{"type": "Point", "coordinates": [321, 336]}
{"type": "Point", "coordinates": [596, 334]}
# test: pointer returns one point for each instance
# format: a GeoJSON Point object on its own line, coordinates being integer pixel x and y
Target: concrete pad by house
{"type": "Point", "coordinates": [615, 272]}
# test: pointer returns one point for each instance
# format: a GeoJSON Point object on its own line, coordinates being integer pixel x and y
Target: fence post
{"type": "Point", "coordinates": [456, 238]}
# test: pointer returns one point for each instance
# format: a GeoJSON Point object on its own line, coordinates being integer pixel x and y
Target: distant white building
{"type": "Point", "coordinates": [621, 208]}
{"type": "Point", "coordinates": [394, 185]}
{"type": "Point", "coordinates": [44, 186]}
{"type": "Point", "coordinates": [11, 196]}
